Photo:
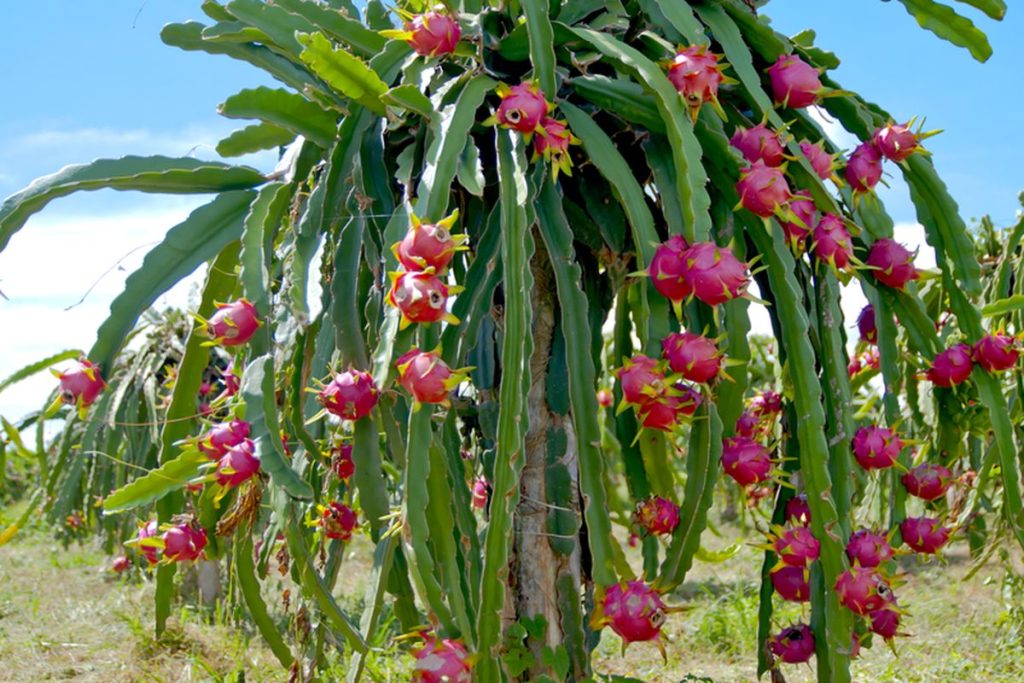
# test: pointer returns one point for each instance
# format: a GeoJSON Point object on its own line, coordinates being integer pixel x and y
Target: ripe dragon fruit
{"type": "Point", "coordinates": [832, 243]}
{"type": "Point", "coordinates": [80, 385]}
{"type": "Point", "coordinates": [429, 245]}
{"type": "Point", "coordinates": [796, 547]}
{"type": "Point", "coordinates": [661, 414]}
{"type": "Point", "coordinates": [951, 367]}
{"type": "Point", "coordinates": [216, 441]}
{"type": "Point", "coordinates": [658, 516]}
{"type": "Point", "coordinates": [876, 448]}
{"type": "Point", "coordinates": [444, 661]}
{"type": "Point", "coordinates": [151, 552]}
{"type": "Point", "coordinates": [745, 460]}
{"type": "Point", "coordinates": [480, 493]}
{"type": "Point", "coordinates": [862, 590]}
{"type": "Point", "coordinates": [867, 548]}
{"type": "Point", "coordinates": [927, 481]}
{"type": "Point", "coordinates": [866, 325]}
{"type": "Point", "coordinates": [641, 380]}
{"type": "Point", "coordinates": [763, 189]}
{"type": "Point", "coordinates": [428, 378]}
{"type": "Point", "coordinates": [766, 404]}
{"type": "Point", "coordinates": [522, 108]}
{"type": "Point", "coordinates": [693, 356]}
{"type": "Point", "coordinates": [634, 610]}
{"type": "Point", "coordinates": [793, 645]}
{"type": "Point", "coordinates": [996, 352]}
{"type": "Point", "coordinates": [747, 424]}
{"type": "Point", "coordinates": [667, 268]}
{"type": "Point", "coordinates": [798, 510]}
{"type": "Point", "coordinates": [341, 461]}
{"type": "Point", "coordinates": [893, 263]}
{"type": "Point", "coordinates": [924, 534]}
{"type": "Point", "coordinates": [233, 324]}
{"type": "Point", "coordinates": [896, 141]}
{"type": "Point", "coordinates": [237, 465]}
{"type": "Point", "coordinates": [823, 163]}
{"type": "Point", "coordinates": [791, 583]}
{"type": "Point", "coordinates": [687, 398]}
{"type": "Point", "coordinates": [350, 395]}
{"type": "Point", "coordinates": [864, 169]}
{"type": "Point", "coordinates": [431, 34]}
{"type": "Point", "coordinates": [714, 273]}
{"type": "Point", "coordinates": [421, 297]}
{"type": "Point", "coordinates": [338, 520]}
{"type": "Point", "coordinates": [869, 360]}
{"type": "Point", "coordinates": [552, 145]}
{"type": "Point", "coordinates": [121, 563]}
{"type": "Point", "coordinates": [885, 622]}
{"type": "Point", "coordinates": [759, 143]}
{"type": "Point", "coordinates": [795, 83]}
{"type": "Point", "coordinates": [184, 543]}
{"type": "Point", "coordinates": [605, 398]}
{"type": "Point", "coordinates": [696, 74]}
{"type": "Point", "coordinates": [232, 383]}
{"type": "Point", "coordinates": [802, 217]}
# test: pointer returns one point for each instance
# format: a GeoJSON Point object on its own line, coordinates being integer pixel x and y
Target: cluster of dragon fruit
{"type": "Point", "coordinates": [665, 392]}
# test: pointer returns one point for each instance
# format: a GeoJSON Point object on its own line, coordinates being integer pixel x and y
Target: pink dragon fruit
{"type": "Point", "coordinates": [823, 163]}
{"type": "Point", "coordinates": [431, 34]}
{"type": "Point", "coordinates": [866, 325]}
{"type": "Point", "coordinates": [641, 380]}
{"type": "Point", "coordinates": [150, 530]}
{"type": "Point", "coordinates": [552, 144]}
{"type": "Point", "coordinates": [522, 108]}
{"type": "Point", "coordinates": [862, 590]}
{"type": "Point", "coordinates": [605, 398]}
{"type": "Point", "coordinates": [445, 661]}
{"type": "Point", "coordinates": [428, 378]}
{"type": "Point", "coordinates": [481, 491]}
{"type": "Point", "coordinates": [996, 352]}
{"type": "Point", "coordinates": [927, 481]}
{"type": "Point", "coordinates": [869, 360]}
{"type": "Point", "coordinates": [634, 610]}
{"type": "Point", "coordinates": [338, 521]}
{"type": "Point", "coordinates": [798, 511]}
{"type": "Point", "coordinates": [745, 460]}
{"type": "Point", "coordinates": [801, 221]}
{"type": "Point", "coordinates": [696, 74]}
{"type": "Point", "coordinates": [864, 170]}
{"type": "Point", "coordinates": [832, 242]}
{"type": "Point", "coordinates": [421, 297]}
{"type": "Point", "coordinates": [658, 516]}
{"type": "Point", "coordinates": [793, 645]}
{"type": "Point", "coordinates": [661, 414]}
{"type": "Point", "coordinates": [791, 583]}
{"type": "Point", "coordinates": [231, 383]}
{"type": "Point", "coordinates": [867, 548]}
{"type": "Point", "coordinates": [759, 143]}
{"type": "Point", "coordinates": [795, 83]}
{"type": "Point", "coordinates": [763, 189]}
{"type": "Point", "coordinates": [747, 424]}
{"type": "Point", "coordinates": [896, 141]}
{"type": "Point", "coordinates": [184, 543]}
{"type": "Point", "coordinates": [351, 395]}
{"type": "Point", "coordinates": [341, 461]}
{"type": "Point", "coordinates": [687, 398]}
{"type": "Point", "coordinates": [237, 465]}
{"type": "Point", "coordinates": [693, 356]}
{"type": "Point", "coordinates": [951, 367]}
{"type": "Point", "coordinates": [876, 448]}
{"type": "Point", "coordinates": [924, 534]}
{"type": "Point", "coordinates": [714, 273]}
{"type": "Point", "coordinates": [766, 404]}
{"type": "Point", "coordinates": [885, 622]}
{"type": "Point", "coordinates": [80, 385]}
{"type": "Point", "coordinates": [667, 268]}
{"type": "Point", "coordinates": [796, 547]}
{"type": "Point", "coordinates": [429, 245]}
{"type": "Point", "coordinates": [216, 441]}
{"type": "Point", "coordinates": [120, 564]}
{"type": "Point", "coordinates": [233, 324]}
{"type": "Point", "coordinates": [893, 263]}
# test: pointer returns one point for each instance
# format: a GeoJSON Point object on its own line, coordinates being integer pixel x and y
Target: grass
{"type": "Point", "coordinates": [65, 617]}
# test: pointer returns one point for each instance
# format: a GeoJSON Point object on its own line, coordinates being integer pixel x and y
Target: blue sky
{"type": "Point", "coordinates": [98, 82]}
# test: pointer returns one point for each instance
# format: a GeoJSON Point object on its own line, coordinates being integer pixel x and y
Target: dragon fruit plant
{"type": "Point", "coordinates": [485, 214]}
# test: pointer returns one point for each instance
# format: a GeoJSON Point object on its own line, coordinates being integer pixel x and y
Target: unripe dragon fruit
{"type": "Point", "coordinates": [429, 245]}
{"type": "Point", "coordinates": [338, 520]}
{"type": "Point", "coordinates": [795, 83]}
{"type": "Point", "coordinates": [150, 530]}
{"type": "Point", "coordinates": [184, 543]}
{"type": "Point", "coordinates": [924, 534]}
{"type": "Point", "coordinates": [431, 34]}
{"type": "Point", "coordinates": [552, 144]}
{"type": "Point", "coordinates": [885, 622]}
{"type": "Point", "coordinates": [350, 395]}
{"type": "Point", "coordinates": [216, 441]}
{"type": "Point", "coordinates": [693, 356]}
{"type": "Point", "coordinates": [641, 380]}
{"type": "Point", "coordinates": [996, 352]}
{"type": "Point", "coordinates": [421, 297]}
{"type": "Point", "coordinates": [864, 169]}
{"type": "Point", "coordinates": [896, 141]}
{"type": "Point", "coordinates": [428, 378]}
{"type": "Point", "coordinates": [745, 460]}
{"type": "Point", "coordinates": [714, 273]}
{"type": "Point", "coordinates": [237, 465]}
{"type": "Point", "coordinates": [80, 385]}
{"type": "Point", "coordinates": [341, 461]}
{"type": "Point", "coordinates": [634, 610]}
{"type": "Point", "coordinates": [951, 367]}
{"type": "Point", "coordinates": [867, 548]}
{"type": "Point", "coordinates": [927, 481]}
{"type": "Point", "coordinates": [862, 590]}
{"type": "Point", "coordinates": [445, 661]}
{"type": "Point", "coordinates": [791, 583]}
{"type": "Point", "coordinates": [798, 510]}
{"type": "Point", "coordinates": [233, 324]}
{"type": "Point", "coordinates": [667, 268]}
{"type": "Point", "coordinates": [522, 108]}
{"type": "Point", "coordinates": [796, 547]}
{"type": "Point", "coordinates": [759, 143]}
{"type": "Point", "coordinates": [605, 398]}
{"type": "Point", "coordinates": [893, 263]}
{"type": "Point", "coordinates": [801, 221]}
{"type": "Point", "coordinates": [658, 516]}
{"type": "Point", "coordinates": [793, 645]}
{"type": "Point", "coordinates": [866, 325]}
{"type": "Point", "coordinates": [480, 493]}
{"type": "Point", "coordinates": [876, 448]}
{"type": "Point", "coordinates": [832, 242]}
{"type": "Point", "coordinates": [763, 189]}
{"type": "Point", "coordinates": [823, 163]}
{"type": "Point", "coordinates": [696, 74]}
